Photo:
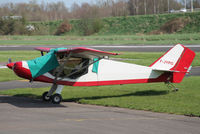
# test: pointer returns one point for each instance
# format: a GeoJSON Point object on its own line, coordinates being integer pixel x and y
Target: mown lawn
{"type": "Point", "coordinates": [7, 75]}
{"type": "Point", "coordinates": [152, 97]}
{"type": "Point", "coordinates": [141, 39]}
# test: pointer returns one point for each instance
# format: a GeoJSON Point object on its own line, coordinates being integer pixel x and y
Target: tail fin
{"type": "Point", "coordinates": [177, 61]}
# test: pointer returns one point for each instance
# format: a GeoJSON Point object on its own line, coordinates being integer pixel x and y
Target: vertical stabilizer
{"type": "Point", "coordinates": [177, 61]}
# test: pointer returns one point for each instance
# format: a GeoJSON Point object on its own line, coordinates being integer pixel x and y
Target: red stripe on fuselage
{"type": "Point", "coordinates": [161, 78]}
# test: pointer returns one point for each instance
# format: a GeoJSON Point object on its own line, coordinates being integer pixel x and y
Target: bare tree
{"type": "Point", "coordinates": [102, 8]}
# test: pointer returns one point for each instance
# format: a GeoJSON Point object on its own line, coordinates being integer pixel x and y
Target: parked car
{"type": "Point", "coordinates": [183, 10]}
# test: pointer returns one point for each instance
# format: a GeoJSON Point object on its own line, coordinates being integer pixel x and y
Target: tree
{"type": "Point", "coordinates": [131, 7]}
{"type": "Point", "coordinates": [63, 28]}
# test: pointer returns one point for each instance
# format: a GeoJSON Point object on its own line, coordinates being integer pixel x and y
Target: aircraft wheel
{"type": "Point", "coordinates": [45, 97]}
{"type": "Point", "coordinates": [56, 98]}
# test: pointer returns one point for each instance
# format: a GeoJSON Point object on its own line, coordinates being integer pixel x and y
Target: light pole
{"type": "Point", "coordinates": [145, 7]}
{"type": "Point", "coordinates": [191, 5]}
{"type": "Point", "coordinates": [168, 6]}
{"type": "Point", "coordinates": [185, 5]}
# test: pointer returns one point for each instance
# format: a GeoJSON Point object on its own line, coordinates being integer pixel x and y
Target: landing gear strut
{"type": "Point", "coordinates": [54, 98]}
{"type": "Point", "coordinates": [171, 86]}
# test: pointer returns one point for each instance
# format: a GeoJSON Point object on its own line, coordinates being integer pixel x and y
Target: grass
{"type": "Point", "coordinates": [7, 75]}
{"type": "Point", "coordinates": [125, 25]}
{"type": "Point", "coordinates": [153, 97]}
{"type": "Point", "coordinates": [190, 38]}
{"type": "Point", "coordinates": [18, 55]}
{"type": "Point", "coordinates": [141, 58]}
{"type": "Point", "coordinates": [147, 23]}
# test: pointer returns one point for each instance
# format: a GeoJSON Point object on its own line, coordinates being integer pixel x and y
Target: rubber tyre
{"type": "Point", "coordinates": [44, 97]}
{"type": "Point", "coordinates": [56, 98]}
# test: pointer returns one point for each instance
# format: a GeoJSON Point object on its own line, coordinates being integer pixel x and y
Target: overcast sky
{"type": "Point", "coordinates": [68, 3]}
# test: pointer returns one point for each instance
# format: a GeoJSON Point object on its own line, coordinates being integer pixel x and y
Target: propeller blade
{"type": "Point", "coordinates": [3, 67]}
{"type": "Point", "coordinates": [9, 60]}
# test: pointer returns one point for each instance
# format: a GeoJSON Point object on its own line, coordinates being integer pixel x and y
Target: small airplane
{"type": "Point", "coordinates": [81, 66]}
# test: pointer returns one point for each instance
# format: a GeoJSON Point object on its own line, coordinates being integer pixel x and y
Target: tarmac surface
{"type": "Point", "coordinates": [21, 115]}
{"type": "Point", "coordinates": [133, 48]}
{"type": "Point", "coordinates": [22, 84]}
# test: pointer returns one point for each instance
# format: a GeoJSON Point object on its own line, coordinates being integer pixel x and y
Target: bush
{"type": "Point", "coordinates": [63, 28]}
{"type": "Point", "coordinates": [10, 26]}
{"type": "Point", "coordinates": [173, 26]}
{"type": "Point", "coordinates": [90, 26]}
{"type": "Point", "coordinates": [97, 25]}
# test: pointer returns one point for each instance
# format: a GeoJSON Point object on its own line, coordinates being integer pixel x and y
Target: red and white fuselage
{"type": "Point", "coordinates": [171, 67]}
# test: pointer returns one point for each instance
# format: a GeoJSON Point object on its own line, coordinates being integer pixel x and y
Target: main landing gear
{"type": "Point", "coordinates": [54, 98]}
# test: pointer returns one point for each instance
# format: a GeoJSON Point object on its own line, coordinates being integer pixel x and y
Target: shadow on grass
{"type": "Point", "coordinates": [34, 101]}
{"type": "Point", "coordinates": [138, 93]}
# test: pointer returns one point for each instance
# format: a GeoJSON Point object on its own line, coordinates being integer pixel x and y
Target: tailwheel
{"type": "Point", "coordinates": [56, 98]}
{"type": "Point", "coordinates": [45, 97]}
{"type": "Point", "coordinates": [171, 86]}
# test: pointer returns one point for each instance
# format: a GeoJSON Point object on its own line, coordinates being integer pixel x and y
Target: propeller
{"type": "Point", "coordinates": [10, 64]}
{"type": "Point", "coordinates": [6, 65]}
{"type": "Point", "coordinates": [9, 60]}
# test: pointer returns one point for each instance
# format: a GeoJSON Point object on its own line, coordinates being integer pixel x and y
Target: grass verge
{"type": "Point", "coordinates": [189, 38]}
{"type": "Point", "coordinates": [8, 75]}
{"type": "Point", "coordinates": [152, 97]}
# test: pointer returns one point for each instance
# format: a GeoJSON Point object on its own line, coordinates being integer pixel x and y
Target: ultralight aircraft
{"type": "Point", "coordinates": [81, 66]}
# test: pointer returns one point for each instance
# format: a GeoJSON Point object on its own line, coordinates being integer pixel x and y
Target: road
{"type": "Point", "coordinates": [133, 48]}
{"type": "Point", "coordinates": [22, 84]}
{"type": "Point", "coordinates": [21, 115]}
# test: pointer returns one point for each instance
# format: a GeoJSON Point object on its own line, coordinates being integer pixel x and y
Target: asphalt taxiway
{"type": "Point", "coordinates": [21, 115]}
{"type": "Point", "coordinates": [132, 48]}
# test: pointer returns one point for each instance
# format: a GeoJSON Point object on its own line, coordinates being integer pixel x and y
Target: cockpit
{"type": "Point", "coordinates": [71, 67]}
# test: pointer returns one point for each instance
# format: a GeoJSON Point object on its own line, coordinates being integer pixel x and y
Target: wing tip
{"type": "Point", "coordinates": [44, 49]}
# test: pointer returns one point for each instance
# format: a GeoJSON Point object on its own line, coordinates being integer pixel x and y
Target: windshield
{"type": "Point", "coordinates": [44, 63]}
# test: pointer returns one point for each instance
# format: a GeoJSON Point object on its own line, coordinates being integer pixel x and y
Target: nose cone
{"type": "Point", "coordinates": [21, 69]}
{"type": "Point", "coordinates": [10, 65]}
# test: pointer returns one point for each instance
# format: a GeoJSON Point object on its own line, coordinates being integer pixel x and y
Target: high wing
{"type": "Point", "coordinates": [79, 52]}
{"type": "Point", "coordinates": [43, 49]}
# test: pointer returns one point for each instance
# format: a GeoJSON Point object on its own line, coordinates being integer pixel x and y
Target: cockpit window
{"type": "Point", "coordinates": [73, 67]}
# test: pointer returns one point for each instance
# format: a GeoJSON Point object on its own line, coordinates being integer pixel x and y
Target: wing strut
{"type": "Point", "coordinates": [55, 85]}
{"type": "Point", "coordinates": [61, 68]}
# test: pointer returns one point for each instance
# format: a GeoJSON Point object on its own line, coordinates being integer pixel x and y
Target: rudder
{"type": "Point", "coordinates": [177, 61]}
{"type": "Point", "coordinates": [183, 65]}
